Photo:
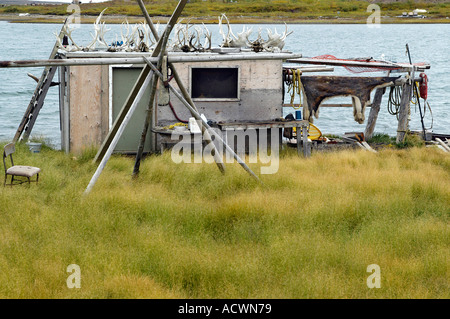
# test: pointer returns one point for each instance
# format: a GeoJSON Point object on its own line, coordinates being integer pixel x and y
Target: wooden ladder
{"type": "Point", "coordinates": [37, 100]}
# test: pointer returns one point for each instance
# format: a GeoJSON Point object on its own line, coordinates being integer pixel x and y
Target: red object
{"type": "Point", "coordinates": [423, 86]}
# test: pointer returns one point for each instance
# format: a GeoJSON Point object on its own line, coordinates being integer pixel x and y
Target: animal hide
{"type": "Point", "coordinates": [318, 88]}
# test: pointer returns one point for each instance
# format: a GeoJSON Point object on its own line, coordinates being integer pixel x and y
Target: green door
{"type": "Point", "coordinates": [123, 80]}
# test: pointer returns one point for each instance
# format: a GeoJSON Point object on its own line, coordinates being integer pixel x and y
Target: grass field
{"type": "Point", "coordinates": [245, 11]}
{"type": "Point", "coordinates": [186, 231]}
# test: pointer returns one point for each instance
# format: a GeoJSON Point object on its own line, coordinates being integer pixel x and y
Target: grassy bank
{"type": "Point", "coordinates": [248, 11]}
{"type": "Point", "coordinates": [186, 231]}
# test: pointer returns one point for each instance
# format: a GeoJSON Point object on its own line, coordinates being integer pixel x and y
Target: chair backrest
{"type": "Point", "coordinates": [8, 150]}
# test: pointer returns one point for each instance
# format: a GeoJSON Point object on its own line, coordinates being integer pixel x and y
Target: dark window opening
{"type": "Point", "coordinates": [214, 83]}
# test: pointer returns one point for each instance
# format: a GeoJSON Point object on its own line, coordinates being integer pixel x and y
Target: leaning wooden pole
{"type": "Point", "coordinates": [123, 112]}
{"type": "Point", "coordinates": [148, 19]}
{"type": "Point", "coordinates": [373, 115]}
{"type": "Point", "coordinates": [149, 115]}
{"type": "Point", "coordinates": [118, 134]}
{"type": "Point", "coordinates": [205, 133]}
{"type": "Point", "coordinates": [205, 125]}
{"type": "Point", "coordinates": [208, 128]}
{"type": "Point", "coordinates": [145, 71]}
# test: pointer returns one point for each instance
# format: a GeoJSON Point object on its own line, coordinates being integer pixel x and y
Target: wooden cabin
{"type": "Point", "coordinates": [240, 89]}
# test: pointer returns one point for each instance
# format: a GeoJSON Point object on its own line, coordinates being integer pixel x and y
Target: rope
{"type": "Point", "coordinates": [393, 106]}
{"type": "Point", "coordinates": [395, 96]}
{"type": "Point", "coordinates": [294, 85]}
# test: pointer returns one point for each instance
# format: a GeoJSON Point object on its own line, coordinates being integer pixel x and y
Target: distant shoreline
{"type": "Point", "coordinates": [117, 19]}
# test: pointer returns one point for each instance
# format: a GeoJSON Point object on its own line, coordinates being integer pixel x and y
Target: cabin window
{"type": "Point", "coordinates": [215, 83]}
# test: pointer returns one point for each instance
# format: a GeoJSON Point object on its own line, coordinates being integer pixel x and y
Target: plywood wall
{"type": "Point", "coordinates": [260, 94]}
{"type": "Point", "coordinates": [88, 106]}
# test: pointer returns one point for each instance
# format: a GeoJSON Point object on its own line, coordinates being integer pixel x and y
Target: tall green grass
{"type": "Point", "coordinates": [187, 231]}
{"type": "Point", "coordinates": [277, 10]}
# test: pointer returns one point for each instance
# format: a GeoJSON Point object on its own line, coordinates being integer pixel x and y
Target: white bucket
{"type": "Point", "coordinates": [34, 147]}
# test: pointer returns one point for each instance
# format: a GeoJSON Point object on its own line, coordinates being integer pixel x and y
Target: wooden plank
{"type": "Point", "coordinates": [265, 124]}
{"type": "Point", "coordinates": [85, 102]}
{"type": "Point", "coordinates": [306, 144]}
{"type": "Point", "coordinates": [367, 146]}
{"type": "Point", "coordinates": [299, 143]}
{"type": "Point", "coordinates": [386, 65]}
{"type": "Point", "coordinates": [445, 146]}
{"type": "Point", "coordinates": [374, 110]}
{"type": "Point", "coordinates": [322, 105]}
{"type": "Point", "coordinates": [403, 121]}
{"type": "Point", "coordinates": [188, 58]}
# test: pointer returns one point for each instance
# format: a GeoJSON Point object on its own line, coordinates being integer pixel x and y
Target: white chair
{"type": "Point", "coordinates": [18, 170]}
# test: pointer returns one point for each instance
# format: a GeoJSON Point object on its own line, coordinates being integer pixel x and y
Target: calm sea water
{"type": "Point", "coordinates": [428, 43]}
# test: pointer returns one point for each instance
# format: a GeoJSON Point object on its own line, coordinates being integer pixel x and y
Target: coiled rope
{"type": "Point", "coordinates": [395, 95]}
{"type": "Point", "coordinates": [294, 85]}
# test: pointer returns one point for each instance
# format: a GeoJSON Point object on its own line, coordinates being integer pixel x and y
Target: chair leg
{"type": "Point", "coordinates": [12, 180]}
{"type": "Point", "coordinates": [37, 178]}
{"type": "Point", "coordinates": [4, 183]}
{"type": "Point", "coordinates": [29, 181]}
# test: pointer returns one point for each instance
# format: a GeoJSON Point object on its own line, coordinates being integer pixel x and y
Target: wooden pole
{"type": "Point", "coordinates": [149, 111]}
{"type": "Point", "coordinates": [379, 65]}
{"type": "Point", "coordinates": [306, 145]}
{"type": "Point", "coordinates": [137, 86]}
{"type": "Point", "coordinates": [172, 58]}
{"type": "Point", "coordinates": [123, 112]}
{"type": "Point", "coordinates": [118, 134]}
{"type": "Point", "coordinates": [445, 146]}
{"type": "Point", "coordinates": [373, 115]}
{"type": "Point", "coordinates": [148, 19]}
{"type": "Point", "coordinates": [404, 112]}
{"type": "Point", "coordinates": [205, 133]}
{"type": "Point", "coordinates": [205, 125]}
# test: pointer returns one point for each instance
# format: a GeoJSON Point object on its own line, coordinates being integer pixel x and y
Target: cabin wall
{"type": "Point", "coordinates": [260, 94]}
{"type": "Point", "coordinates": [88, 106]}
{"type": "Point", "coordinates": [87, 111]}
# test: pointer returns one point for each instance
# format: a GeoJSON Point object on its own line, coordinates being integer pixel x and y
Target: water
{"type": "Point", "coordinates": [428, 43]}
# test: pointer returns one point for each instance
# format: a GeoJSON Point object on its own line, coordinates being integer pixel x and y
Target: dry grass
{"type": "Point", "coordinates": [243, 11]}
{"type": "Point", "coordinates": [186, 231]}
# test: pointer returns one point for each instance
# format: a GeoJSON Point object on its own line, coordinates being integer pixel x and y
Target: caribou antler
{"type": "Point", "coordinates": [276, 41]}
{"type": "Point", "coordinates": [199, 34]}
{"type": "Point", "coordinates": [183, 38]}
{"type": "Point", "coordinates": [231, 40]}
{"type": "Point", "coordinates": [258, 44]}
{"type": "Point", "coordinates": [68, 33]}
{"type": "Point", "coordinates": [99, 33]}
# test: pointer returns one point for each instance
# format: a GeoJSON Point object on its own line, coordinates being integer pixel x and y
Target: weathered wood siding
{"type": "Point", "coordinates": [260, 85]}
{"type": "Point", "coordinates": [88, 106]}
